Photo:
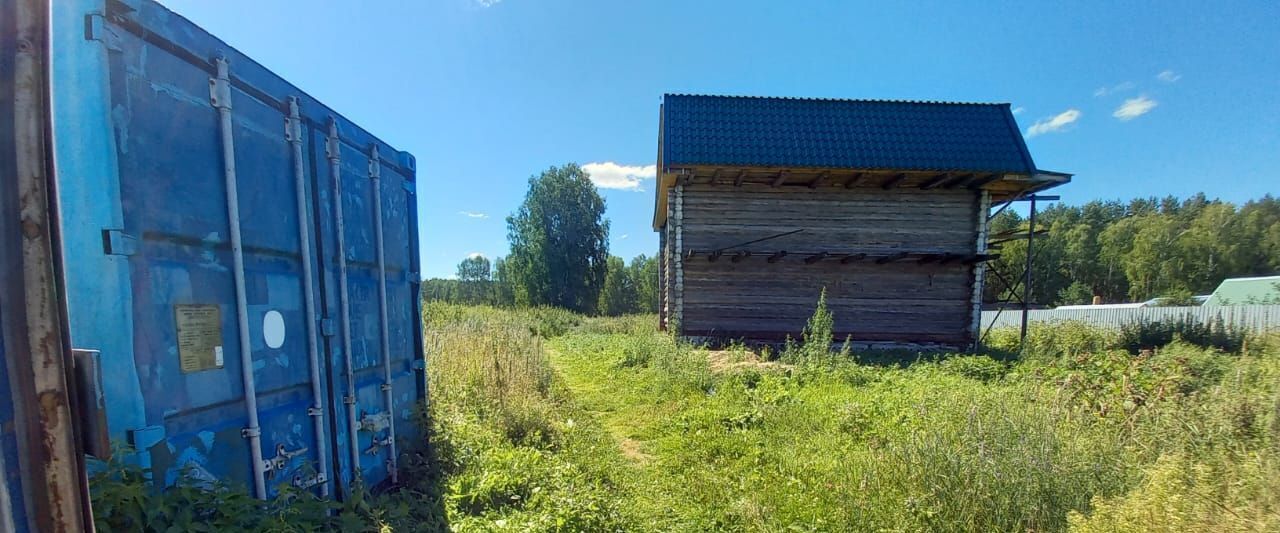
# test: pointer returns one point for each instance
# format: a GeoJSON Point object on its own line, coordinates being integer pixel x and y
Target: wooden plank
{"type": "Point", "coordinates": [742, 175]}
{"type": "Point", "coordinates": [891, 258]}
{"type": "Point", "coordinates": [815, 258]}
{"type": "Point", "coordinates": [777, 256]}
{"type": "Point", "coordinates": [852, 257]}
{"type": "Point", "coordinates": [782, 178]}
{"type": "Point", "coordinates": [737, 257]}
{"type": "Point", "coordinates": [854, 180]}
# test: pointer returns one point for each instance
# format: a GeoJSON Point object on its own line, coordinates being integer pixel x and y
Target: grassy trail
{"type": "Point", "coordinates": [593, 389]}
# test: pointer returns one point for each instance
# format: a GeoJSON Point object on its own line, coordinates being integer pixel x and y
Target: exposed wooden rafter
{"type": "Point", "coordinates": [935, 181]}
{"type": "Point", "coordinates": [894, 181]}
{"type": "Point", "coordinates": [778, 181]}
{"type": "Point", "coordinates": [854, 180]}
{"type": "Point", "coordinates": [822, 176]}
{"type": "Point", "coordinates": [742, 175]}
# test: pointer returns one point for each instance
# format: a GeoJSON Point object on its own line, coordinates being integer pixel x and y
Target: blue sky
{"type": "Point", "coordinates": [1149, 98]}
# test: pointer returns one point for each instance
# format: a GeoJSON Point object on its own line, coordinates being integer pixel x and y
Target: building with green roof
{"type": "Point", "coordinates": [1246, 291]}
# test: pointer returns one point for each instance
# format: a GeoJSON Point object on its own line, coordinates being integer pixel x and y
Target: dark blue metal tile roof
{"type": "Point", "coordinates": [856, 134]}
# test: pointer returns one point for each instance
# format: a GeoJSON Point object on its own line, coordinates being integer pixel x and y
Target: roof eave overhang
{"type": "Point", "coordinates": [1001, 185]}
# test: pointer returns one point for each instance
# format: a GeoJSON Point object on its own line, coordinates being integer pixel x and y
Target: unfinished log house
{"type": "Point", "coordinates": [764, 202]}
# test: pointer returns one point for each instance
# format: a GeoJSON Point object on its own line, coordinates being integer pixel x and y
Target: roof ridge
{"type": "Point", "coordinates": [828, 99]}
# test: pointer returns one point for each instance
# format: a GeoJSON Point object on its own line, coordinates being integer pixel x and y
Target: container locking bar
{"type": "Point", "coordinates": [333, 151]}
{"type": "Point", "coordinates": [220, 97]}
{"type": "Point", "coordinates": [375, 174]}
{"type": "Point", "coordinates": [293, 133]}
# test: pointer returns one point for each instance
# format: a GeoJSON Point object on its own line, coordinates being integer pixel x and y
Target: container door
{"type": "Point", "coordinates": [376, 382]}
{"type": "Point", "coordinates": [176, 236]}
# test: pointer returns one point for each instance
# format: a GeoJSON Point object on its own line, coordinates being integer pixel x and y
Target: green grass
{"type": "Point", "coordinates": [1074, 434]}
{"type": "Point", "coordinates": [540, 420]}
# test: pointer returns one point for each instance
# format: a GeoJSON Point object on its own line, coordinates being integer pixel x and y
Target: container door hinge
{"type": "Point", "coordinates": [377, 445]}
{"type": "Point", "coordinates": [250, 433]}
{"type": "Point", "coordinates": [315, 411]}
{"type": "Point", "coordinates": [328, 327]}
{"type": "Point", "coordinates": [281, 460]}
{"type": "Point", "coordinates": [293, 122]}
{"type": "Point", "coordinates": [385, 387]}
{"type": "Point", "coordinates": [349, 400]}
{"type": "Point", "coordinates": [220, 90]}
{"type": "Point", "coordinates": [116, 242]}
{"type": "Point", "coordinates": [305, 483]}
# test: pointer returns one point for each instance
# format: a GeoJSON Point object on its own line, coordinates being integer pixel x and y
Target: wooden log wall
{"type": "Point", "coordinates": [904, 300]}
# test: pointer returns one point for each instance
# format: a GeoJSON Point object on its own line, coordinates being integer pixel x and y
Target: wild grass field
{"type": "Point", "coordinates": [541, 420]}
{"type": "Point", "coordinates": [546, 421]}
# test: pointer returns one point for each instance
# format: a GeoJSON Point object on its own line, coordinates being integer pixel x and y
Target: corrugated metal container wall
{"type": "Point", "coordinates": [12, 506]}
{"type": "Point", "coordinates": [218, 261]}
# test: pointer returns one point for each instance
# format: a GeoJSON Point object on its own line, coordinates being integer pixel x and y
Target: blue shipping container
{"type": "Point", "coordinates": [243, 258]}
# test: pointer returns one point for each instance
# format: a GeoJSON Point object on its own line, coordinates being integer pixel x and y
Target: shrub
{"type": "Point", "coordinates": [1147, 335]}
{"type": "Point", "coordinates": [979, 367]}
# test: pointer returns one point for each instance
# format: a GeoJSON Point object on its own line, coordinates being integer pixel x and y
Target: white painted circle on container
{"type": "Point", "coordinates": [273, 329]}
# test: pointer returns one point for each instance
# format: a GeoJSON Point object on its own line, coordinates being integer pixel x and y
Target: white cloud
{"type": "Point", "coordinates": [624, 236]}
{"type": "Point", "coordinates": [473, 214]}
{"type": "Point", "coordinates": [1054, 123]}
{"type": "Point", "coordinates": [474, 255]}
{"type": "Point", "coordinates": [1168, 76]}
{"type": "Point", "coordinates": [1123, 86]}
{"type": "Point", "coordinates": [1134, 108]}
{"type": "Point", "coordinates": [488, 3]}
{"type": "Point", "coordinates": [1018, 110]}
{"type": "Point", "coordinates": [610, 175]}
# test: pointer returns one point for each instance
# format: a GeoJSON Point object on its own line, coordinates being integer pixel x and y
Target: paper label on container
{"type": "Point", "coordinates": [199, 335]}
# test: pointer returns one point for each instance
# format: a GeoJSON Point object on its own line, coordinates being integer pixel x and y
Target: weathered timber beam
{"type": "Point", "coordinates": [715, 176]}
{"type": "Point", "coordinates": [977, 183]}
{"type": "Point", "coordinates": [740, 256]}
{"type": "Point", "coordinates": [856, 179]}
{"type": "Point", "coordinates": [777, 256]}
{"type": "Point", "coordinates": [684, 179]}
{"type": "Point", "coordinates": [893, 182]}
{"type": "Point", "coordinates": [742, 175]}
{"type": "Point", "coordinates": [935, 181]}
{"type": "Point", "coordinates": [891, 258]}
{"type": "Point", "coordinates": [930, 258]}
{"type": "Point", "coordinates": [815, 258]}
{"type": "Point", "coordinates": [852, 257]}
{"type": "Point", "coordinates": [957, 181]}
{"type": "Point", "coordinates": [711, 257]}
{"type": "Point", "coordinates": [818, 180]}
{"type": "Point", "coordinates": [782, 177]}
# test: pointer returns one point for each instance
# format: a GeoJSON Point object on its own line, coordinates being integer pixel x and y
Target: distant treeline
{"type": "Point", "coordinates": [1135, 251]}
{"type": "Point", "coordinates": [628, 288]}
{"type": "Point", "coordinates": [559, 256]}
